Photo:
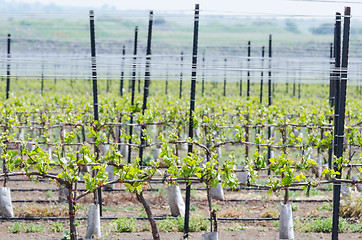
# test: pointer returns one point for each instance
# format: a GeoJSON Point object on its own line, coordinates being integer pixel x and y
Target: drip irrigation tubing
{"type": "Point", "coordinates": [227, 200]}
{"type": "Point", "coordinates": [145, 218]}
{"type": "Point", "coordinates": [155, 190]}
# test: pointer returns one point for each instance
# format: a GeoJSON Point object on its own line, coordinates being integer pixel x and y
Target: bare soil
{"type": "Point", "coordinates": [253, 230]}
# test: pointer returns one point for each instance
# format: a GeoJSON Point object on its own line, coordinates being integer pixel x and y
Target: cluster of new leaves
{"type": "Point", "coordinates": [290, 171]}
{"type": "Point", "coordinates": [33, 162]}
{"type": "Point", "coordinates": [211, 119]}
{"type": "Point", "coordinates": [194, 166]}
{"type": "Point", "coordinates": [134, 177]}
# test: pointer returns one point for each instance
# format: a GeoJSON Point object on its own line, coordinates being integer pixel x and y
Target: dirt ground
{"type": "Point", "coordinates": [257, 231]}
{"type": "Point", "coordinates": [251, 204]}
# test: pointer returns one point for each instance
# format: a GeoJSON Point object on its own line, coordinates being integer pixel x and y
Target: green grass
{"type": "Point", "coordinates": [49, 194]}
{"type": "Point", "coordinates": [295, 207]}
{"type": "Point", "coordinates": [168, 225]}
{"type": "Point", "coordinates": [124, 224]}
{"type": "Point", "coordinates": [197, 223]}
{"type": "Point", "coordinates": [326, 207]}
{"type": "Point", "coordinates": [313, 192]}
{"type": "Point", "coordinates": [193, 207]}
{"type": "Point", "coordinates": [110, 208]}
{"type": "Point", "coordinates": [329, 187]}
{"type": "Point", "coordinates": [216, 206]}
{"type": "Point", "coordinates": [32, 228]}
{"type": "Point", "coordinates": [323, 225]}
{"type": "Point", "coordinates": [15, 228]}
{"type": "Point", "coordinates": [57, 227]}
{"type": "Point", "coordinates": [27, 228]}
{"type": "Point", "coordinates": [294, 194]}
{"type": "Point", "coordinates": [236, 228]}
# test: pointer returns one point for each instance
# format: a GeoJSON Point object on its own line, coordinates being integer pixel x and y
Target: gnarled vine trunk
{"type": "Point", "coordinates": [155, 232]}
{"type": "Point", "coordinates": [73, 229]}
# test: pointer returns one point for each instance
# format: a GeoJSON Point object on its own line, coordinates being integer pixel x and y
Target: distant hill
{"type": "Point", "coordinates": [54, 28]}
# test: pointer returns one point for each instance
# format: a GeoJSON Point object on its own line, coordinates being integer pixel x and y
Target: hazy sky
{"type": "Point", "coordinates": [275, 7]}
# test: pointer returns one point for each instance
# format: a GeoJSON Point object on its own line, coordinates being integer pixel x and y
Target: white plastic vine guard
{"type": "Point", "coordinates": [6, 207]}
{"type": "Point", "coordinates": [175, 200]}
{"type": "Point", "coordinates": [217, 192]}
{"type": "Point", "coordinates": [111, 176]}
{"type": "Point", "coordinates": [94, 222]}
{"type": "Point", "coordinates": [286, 222]}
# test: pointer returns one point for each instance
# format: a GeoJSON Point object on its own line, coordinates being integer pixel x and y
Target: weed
{"type": "Point", "coordinates": [15, 228]}
{"type": "Point", "coordinates": [193, 194]}
{"type": "Point", "coordinates": [193, 208]}
{"type": "Point", "coordinates": [323, 225]}
{"type": "Point", "coordinates": [314, 192]}
{"type": "Point", "coordinates": [329, 187]}
{"type": "Point", "coordinates": [265, 197]}
{"type": "Point", "coordinates": [294, 194]}
{"type": "Point", "coordinates": [107, 230]}
{"type": "Point", "coordinates": [35, 210]}
{"type": "Point", "coordinates": [197, 223]}
{"type": "Point", "coordinates": [142, 214]}
{"type": "Point", "coordinates": [351, 208]}
{"type": "Point", "coordinates": [146, 227]}
{"type": "Point", "coordinates": [262, 229]}
{"type": "Point", "coordinates": [66, 236]}
{"type": "Point", "coordinates": [237, 228]}
{"type": "Point", "coordinates": [124, 224]}
{"type": "Point", "coordinates": [277, 206]}
{"type": "Point", "coordinates": [276, 223]}
{"type": "Point", "coordinates": [57, 227]}
{"type": "Point", "coordinates": [162, 192]}
{"type": "Point", "coordinates": [231, 212]}
{"type": "Point", "coordinates": [313, 213]}
{"type": "Point", "coordinates": [32, 228]}
{"type": "Point", "coordinates": [82, 206]}
{"type": "Point", "coordinates": [297, 224]}
{"type": "Point", "coordinates": [131, 208]}
{"type": "Point", "coordinates": [355, 227]}
{"type": "Point", "coordinates": [168, 225]}
{"type": "Point", "coordinates": [49, 194]}
{"type": "Point", "coordinates": [326, 207]}
{"type": "Point", "coordinates": [270, 213]}
{"type": "Point", "coordinates": [216, 207]}
{"type": "Point", "coordinates": [109, 209]}
{"type": "Point", "coordinates": [295, 207]}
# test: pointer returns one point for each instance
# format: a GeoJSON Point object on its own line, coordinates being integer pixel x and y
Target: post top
{"type": "Point", "coordinates": [347, 11]}
{"type": "Point", "coordinates": [151, 15]}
